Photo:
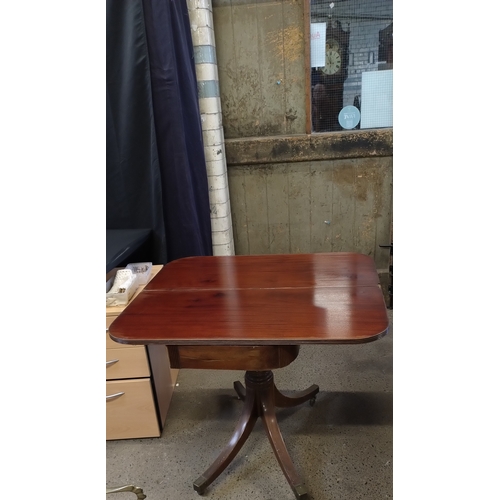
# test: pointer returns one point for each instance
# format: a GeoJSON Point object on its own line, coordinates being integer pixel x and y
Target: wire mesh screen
{"type": "Point", "coordinates": [351, 64]}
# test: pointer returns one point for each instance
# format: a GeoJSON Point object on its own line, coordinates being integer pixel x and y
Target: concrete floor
{"type": "Point", "coordinates": [342, 446]}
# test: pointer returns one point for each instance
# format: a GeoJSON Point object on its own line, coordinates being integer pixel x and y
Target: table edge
{"type": "Point", "coordinates": [251, 342]}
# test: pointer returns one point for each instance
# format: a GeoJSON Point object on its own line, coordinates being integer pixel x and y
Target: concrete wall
{"type": "Point", "coordinates": [293, 192]}
{"type": "Point", "coordinates": [320, 193]}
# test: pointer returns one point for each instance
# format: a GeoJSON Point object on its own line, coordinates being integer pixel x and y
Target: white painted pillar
{"type": "Point", "coordinates": [202, 32]}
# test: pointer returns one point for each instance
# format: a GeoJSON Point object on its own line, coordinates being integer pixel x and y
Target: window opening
{"type": "Point", "coordinates": [351, 61]}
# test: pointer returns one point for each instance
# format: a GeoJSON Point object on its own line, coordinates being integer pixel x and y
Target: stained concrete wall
{"type": "Point", "coordinates": [293, 192]}
{"type": "Point", "coordinates": [321, 193]}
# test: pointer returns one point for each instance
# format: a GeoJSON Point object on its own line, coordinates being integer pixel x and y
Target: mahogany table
{"type": "Point", "coordinates": [252, 313]}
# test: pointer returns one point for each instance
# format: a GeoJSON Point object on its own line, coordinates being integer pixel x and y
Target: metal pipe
{"type": "Point", "coordinates": [202, 32]}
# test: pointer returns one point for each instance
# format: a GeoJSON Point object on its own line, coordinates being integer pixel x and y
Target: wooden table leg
{"type": "Point", "coordinates": [240, 435]}
{"type": "Point", "coordinates": [282, 401]}
{"type": "Point", "coordinates": [261, 398]}
{"type": "Point", "coordinates": [268, 414]}
{"type": "Point", "coordinates": [240, 390]}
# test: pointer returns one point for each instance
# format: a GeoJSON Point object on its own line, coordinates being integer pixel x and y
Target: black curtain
{"type": "Point", "coordinates": [156, 176]}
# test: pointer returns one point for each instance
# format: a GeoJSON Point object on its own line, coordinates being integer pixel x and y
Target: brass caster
{"type": "Point", "coordinates": [300, 492]}
{"type": "Point", "coordinates": [199, 485]}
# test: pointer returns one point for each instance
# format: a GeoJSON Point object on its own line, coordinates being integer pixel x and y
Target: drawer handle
{"type": "Point", "coordinates": [112, 362]}
{"type": "Point", "coordinates": [112, 397]}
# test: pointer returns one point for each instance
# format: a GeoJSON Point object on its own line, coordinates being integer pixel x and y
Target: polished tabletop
{"type": "Point", "coordinates": [290, 299]}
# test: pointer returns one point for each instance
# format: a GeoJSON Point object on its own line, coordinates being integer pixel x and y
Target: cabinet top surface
{"type": "Point", "coordinates": [258, 300]}
{"type": "Point", "coordinates": [116, 310]}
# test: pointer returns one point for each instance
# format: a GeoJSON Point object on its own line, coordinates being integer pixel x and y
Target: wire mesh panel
{"type": "Point", "coordinates": [351, 64]}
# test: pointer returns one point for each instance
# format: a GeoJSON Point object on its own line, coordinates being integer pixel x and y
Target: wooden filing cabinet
{"type": "Point", "coordinates": [139, 383]}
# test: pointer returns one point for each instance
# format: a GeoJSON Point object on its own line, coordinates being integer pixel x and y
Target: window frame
{"type": "Point", "coordinates": [307, 64]}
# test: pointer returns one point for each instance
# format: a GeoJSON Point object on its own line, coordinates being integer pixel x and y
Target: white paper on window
{"type": "Point", "coordinates": [318, 41]}
{"type": "Point", "coordinates": [376, 99]}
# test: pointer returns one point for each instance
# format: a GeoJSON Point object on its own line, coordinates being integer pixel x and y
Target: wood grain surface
{"type": "Point", "coordinates": [288, 299]}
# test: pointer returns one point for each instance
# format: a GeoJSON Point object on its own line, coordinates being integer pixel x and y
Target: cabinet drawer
{"type": "Point", "coordinates": [127, 363]}
{"type": "Point", "coordinates": [130, 410]}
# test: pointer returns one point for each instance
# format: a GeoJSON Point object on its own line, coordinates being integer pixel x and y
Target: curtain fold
{"type": "Point", "coordinates": [156, 176]}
